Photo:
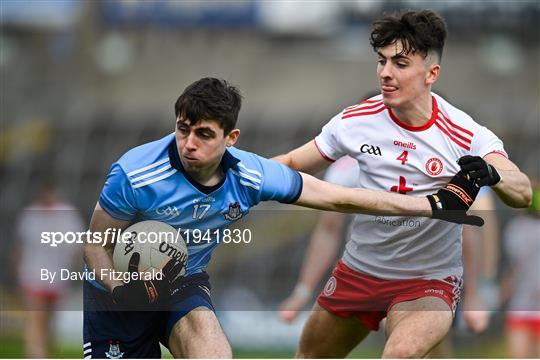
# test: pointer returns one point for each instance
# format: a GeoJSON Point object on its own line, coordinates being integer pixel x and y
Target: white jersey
{"type": "Point", "coordinates": [393, 156]}
{"type": "Point", "coordinates": [343, 172]}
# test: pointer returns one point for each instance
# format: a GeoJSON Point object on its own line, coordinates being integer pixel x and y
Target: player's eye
{"type": "Point", "coordinates": [183, 129]}
{"type": "Point", "coordinates": [381, 61]}
{"type": "Point", "coordinates": [205, 135]}
{"type": "Point", "coordinates": [402, 65]}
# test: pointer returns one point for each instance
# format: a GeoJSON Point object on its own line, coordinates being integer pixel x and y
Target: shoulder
{"type": "Point", "coordinates": [452, 118]}
{"type": "Point", "coordinates": [459, 126]}
{"type": "Point", "coordinates": [366, 108]}
{"type": "Point", "coordinates": [145, 157]}
{"type": "Point", "coordinates": [257, 169]}
{"type": "Point", "coordinates": [248, 162]}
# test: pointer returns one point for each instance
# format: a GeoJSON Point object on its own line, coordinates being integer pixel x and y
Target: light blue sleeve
{"type": "Point", "coordinates": [117, 197]}
{"type": "Point", "coordinates": [280, 183]}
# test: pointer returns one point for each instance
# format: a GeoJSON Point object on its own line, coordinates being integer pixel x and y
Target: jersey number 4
{"type": "Point", "coordinates": [403, 157]}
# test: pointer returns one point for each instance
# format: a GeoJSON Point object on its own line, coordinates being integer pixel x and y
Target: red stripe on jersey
{"type": "Point", "coordinates": [362, 103]}
{"type": "Point", "coordinates": [455, 125]}
{"type": "Point", "coordinates": [345, 112]}
{"type": "Point", "coordinates": [321, 152]}
{"type": "Point", "coordinates": [449, 128]}
{"type": "Point", "coordinates": [360, 113]}
{"type": "Point", "coordinates": [370, 101]}
{"type": "Point", "coordinates": [466, 147]}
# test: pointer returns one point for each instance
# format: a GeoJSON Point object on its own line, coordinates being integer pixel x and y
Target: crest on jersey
{"type": "Point", "coordinates": [434, 166]}
{"type": "Point", "coordinates": [114, 351]}
{"type": "Point", "coordinates": [234, 213]}
{"type": "Point", "coordinates": [330, 286]}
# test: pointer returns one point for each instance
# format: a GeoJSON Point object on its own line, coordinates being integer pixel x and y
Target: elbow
{"type": "Point", "coordinates": [524, 201]}
{"type": "Point", "coordinates": [527, 195]}
{"type": "Point", "coordinates": [528, 198]}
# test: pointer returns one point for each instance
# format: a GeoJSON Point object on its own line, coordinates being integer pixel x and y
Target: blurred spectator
{"type": "Point", "coordinates": [47, 213]}
{"type": "Point", "coordinates": [522, 284]}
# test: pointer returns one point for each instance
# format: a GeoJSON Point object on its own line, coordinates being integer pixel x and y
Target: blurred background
{"type": "Point", "coordinates": [84, 81]}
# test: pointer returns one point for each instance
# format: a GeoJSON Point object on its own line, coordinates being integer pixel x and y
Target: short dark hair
{"type": "Point", "coordinates": [210, 99]}
{"type": "Point", "coordinates": [419, 31]}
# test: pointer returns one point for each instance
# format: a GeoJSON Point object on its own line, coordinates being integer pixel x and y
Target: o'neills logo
{"type": "Point", "coordinates": [461, 193]}
{"type": "Point", "coordinates": [406, 145]}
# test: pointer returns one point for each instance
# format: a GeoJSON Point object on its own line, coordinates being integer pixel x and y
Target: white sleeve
{"type": "Point", "coordinates": [485, 142]}
{"type": "Point", "coordinates": [328, 140]}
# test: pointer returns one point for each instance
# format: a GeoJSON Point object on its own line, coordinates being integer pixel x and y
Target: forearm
{"type": "Point", "coordinates": [514, 189]}
{"type": "Point", "coordinates": [97, 258]}
{"type": "Point", "coordinates": [365, 201]}
{"type": "Point", "coordinates": [99, 255]}
{"type": "Point", "coordinates": [322, 249]}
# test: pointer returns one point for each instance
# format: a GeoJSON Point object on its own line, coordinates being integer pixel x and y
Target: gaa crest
{"type": "Point", "coordinates": [114, 351]}
{"type": "Point", "coordinates": [234, 213]}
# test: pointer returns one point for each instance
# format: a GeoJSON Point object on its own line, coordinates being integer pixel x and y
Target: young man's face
{"type": "Point", "coordinates": [403, 78]}
{"type": "Point", "coordinates": [201, 146]}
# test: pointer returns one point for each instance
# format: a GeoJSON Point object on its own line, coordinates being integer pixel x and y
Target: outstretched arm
{"type": "Point", "coordinates": [449, 203]}
{"type": "Point", "coordinates": [318, 194]}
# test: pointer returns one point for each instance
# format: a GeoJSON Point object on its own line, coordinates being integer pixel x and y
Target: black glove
{"type": "Point", "coordinates": [452, 201]}
{"type": "Point", "coordinates": [146, 294]}
{"type": "Point", "coordinates": [479, 170]}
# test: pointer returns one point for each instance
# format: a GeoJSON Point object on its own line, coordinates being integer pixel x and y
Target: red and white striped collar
{"type": "Point", "coordinates": [434, 112]}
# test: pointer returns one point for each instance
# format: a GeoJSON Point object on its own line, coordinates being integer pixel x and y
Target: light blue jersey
{"type": "Point", "coordinates": [149, 183]}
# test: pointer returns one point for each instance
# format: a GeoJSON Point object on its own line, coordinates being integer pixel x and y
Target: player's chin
{"type": "Point", "coordinates": [390, 99]}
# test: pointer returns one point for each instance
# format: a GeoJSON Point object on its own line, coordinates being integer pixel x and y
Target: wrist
{"type": "Point", "coordinates": [302, 291]}
{"type": "Point", "coordinates": [495, 175]}
{"type": "Point", "coordinates": [113, 285]}
{"type": "Point", "coordinates": [435, 203]}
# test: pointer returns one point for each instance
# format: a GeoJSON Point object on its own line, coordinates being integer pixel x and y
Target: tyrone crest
{"type": "Point", "coordinates": [434, 166]}
{"type": "Point", "coordinates": [234, 213]}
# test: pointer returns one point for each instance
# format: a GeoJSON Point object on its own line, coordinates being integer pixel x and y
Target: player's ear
{"type": "Point", "coordinates": [433, 73]}
{"type": "Point", "coordinates": [232, 137]}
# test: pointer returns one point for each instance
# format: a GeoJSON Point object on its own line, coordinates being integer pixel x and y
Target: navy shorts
{"type": "Point", "coordinates": [111, 333]}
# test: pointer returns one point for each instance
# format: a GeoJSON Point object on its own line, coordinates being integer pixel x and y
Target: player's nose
{"type": "Point", "coordinates": [191, 142]}
{"type": "Point", "coordinates": [385, 71]}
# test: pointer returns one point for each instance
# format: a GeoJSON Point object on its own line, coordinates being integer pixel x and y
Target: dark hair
{"type": "Point", "coordinates": [419, 31]}
{"type": "Point", "coordinates": [210, 99]}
